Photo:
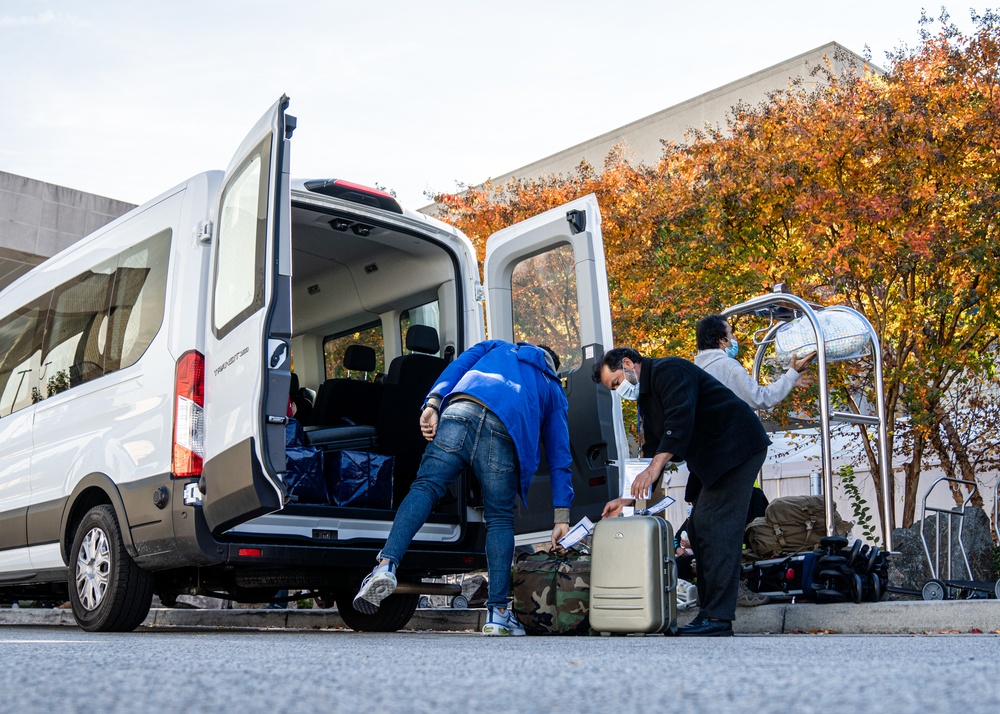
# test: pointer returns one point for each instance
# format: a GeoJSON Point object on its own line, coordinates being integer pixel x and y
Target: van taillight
{"type": "Point", "coordinates": [189, 415]}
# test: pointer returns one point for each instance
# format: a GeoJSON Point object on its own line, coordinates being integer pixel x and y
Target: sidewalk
{"type": "Point", "coordinates": [896, 618]}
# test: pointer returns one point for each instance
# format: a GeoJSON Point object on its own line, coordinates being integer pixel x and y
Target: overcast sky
{"type": "Point", "coordinates": [126, 99]}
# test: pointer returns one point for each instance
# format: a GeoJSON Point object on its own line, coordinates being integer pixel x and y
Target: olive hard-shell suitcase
{"type": "Point", "coordinates": [633, 578]}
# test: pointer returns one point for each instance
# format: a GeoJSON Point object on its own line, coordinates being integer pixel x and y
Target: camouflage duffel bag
{"type": "Point", "coordinates": [552, 593]}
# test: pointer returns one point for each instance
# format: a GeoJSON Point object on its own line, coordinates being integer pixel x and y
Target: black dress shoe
{"type": "Point", "coordinates": [703, 627]}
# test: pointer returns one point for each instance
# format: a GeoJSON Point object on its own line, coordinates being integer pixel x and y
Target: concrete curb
{"type": "Point", "coordinates": [896, 618]}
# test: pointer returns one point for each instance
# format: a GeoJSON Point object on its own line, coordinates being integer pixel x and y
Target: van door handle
{"type": "Point", "coordinates": [276, 419]}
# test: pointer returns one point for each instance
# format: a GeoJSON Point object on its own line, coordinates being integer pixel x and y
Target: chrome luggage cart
{"type": "Point", "coordinates": [947, 587]}
{"type": "Point", "coordinates": [781, 308]}
{"type": "Point", "coordinates": [840, 571]}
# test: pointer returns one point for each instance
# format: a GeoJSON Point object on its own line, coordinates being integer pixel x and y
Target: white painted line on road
{"type": "Point", "coordinates": [37, 642]}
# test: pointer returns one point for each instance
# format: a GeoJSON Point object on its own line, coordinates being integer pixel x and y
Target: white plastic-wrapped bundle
{"type": "Point", "coordinates": [845, 336]}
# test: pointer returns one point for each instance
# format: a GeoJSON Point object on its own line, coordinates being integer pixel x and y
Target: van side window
{"type": "Point", "coordinates": [72, 351]}
{"type": "Point", "coordinates": [334, 347]}
{"type": "Point", "coordinates": [137, 303]}
{"type": "Point", "coordinates": [544, 303]}
{"type": "Point", "coordinates": [238, 291]}
{"type": "Point", "coordinates": [21, 357]}
{"type": "Point", "coordinates": [427, 314]}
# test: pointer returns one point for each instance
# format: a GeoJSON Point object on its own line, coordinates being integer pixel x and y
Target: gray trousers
{"type": "Point", "coordinates": [715, 528]}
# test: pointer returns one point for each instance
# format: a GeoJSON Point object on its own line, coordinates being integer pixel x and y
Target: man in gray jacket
{"type": "Point", "coordinates": [717, 350]}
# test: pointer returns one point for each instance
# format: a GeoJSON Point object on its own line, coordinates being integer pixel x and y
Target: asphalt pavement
{"type": "Point", "coordinates": [891, 617]}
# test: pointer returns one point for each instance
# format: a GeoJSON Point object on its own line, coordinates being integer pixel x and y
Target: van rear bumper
{"type": "Point", "coordinates": [185, 541]}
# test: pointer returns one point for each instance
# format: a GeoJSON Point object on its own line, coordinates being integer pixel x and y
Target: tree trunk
{"type": "Point", "coordinates": [912, 482]}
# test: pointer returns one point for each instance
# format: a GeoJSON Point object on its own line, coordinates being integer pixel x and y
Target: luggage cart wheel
{"type": "Point", "coordinates": [460, 602]}
{"type": "Point", "coordinates": [934, 590]}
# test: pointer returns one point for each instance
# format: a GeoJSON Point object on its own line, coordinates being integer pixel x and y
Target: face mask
{"type": "Point", "coordinates": [733, 349]}
{"type": "Point", "coordinates": [628, 389]}
{"type": "Point", "coordinates": [689, 510]}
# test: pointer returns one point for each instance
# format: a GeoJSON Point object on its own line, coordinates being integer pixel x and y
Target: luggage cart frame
{"type": "Point", "coordinates": [781, 307]}
{"type": "Point", "coordinates": [945, 587]}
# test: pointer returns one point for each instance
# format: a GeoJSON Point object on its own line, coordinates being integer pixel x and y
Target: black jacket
{"type": "Point", "coordinates": [690, 414]}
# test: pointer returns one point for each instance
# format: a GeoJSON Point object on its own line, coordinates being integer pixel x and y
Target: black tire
{"type": "Point", "coordinates": [857, 588]}
{"type": "Point", "coordinates": [831, 561]}
{"type": "Point", "coordinates": [830, 596]}
{"type": "Point", "coordinates": [872, 559]}
{"type": "Point", "coordinates": [833, 543]}
{"type": "Point", "coordinates": [852, 558]}
{"type": "Point", "coordinates": [876, 587]}
{"type": "Point", "coordinates": [394, 612]}
{"type": "Point", "coordinates": [108, 591]}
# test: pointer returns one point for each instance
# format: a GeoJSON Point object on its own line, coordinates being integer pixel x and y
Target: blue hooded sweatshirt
{"type": "Point", "coordinates": [517, 384]}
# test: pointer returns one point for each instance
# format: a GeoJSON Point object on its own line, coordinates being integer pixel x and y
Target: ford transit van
{"type": "Point", "coordinates": [148, 374]}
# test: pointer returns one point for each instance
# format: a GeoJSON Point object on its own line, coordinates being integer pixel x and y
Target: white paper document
{"type": "Point", "coordinates": [634, 467]}
{"type": "Point", "coordinates": [577, 533]}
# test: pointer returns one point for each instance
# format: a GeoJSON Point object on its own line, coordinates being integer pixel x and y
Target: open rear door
{"type": "Point", "coordinates": [546, 283]}
{"type": "Point", "coordinates": [247, 361]}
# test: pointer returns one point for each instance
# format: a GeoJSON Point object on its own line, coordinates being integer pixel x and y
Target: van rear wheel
{"type": "Point", "coordinates": [394, 612]}
{"type": "Point", "coordinates": [108, 591]}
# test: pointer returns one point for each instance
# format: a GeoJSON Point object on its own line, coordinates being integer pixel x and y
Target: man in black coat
{"type": "Point", "coordinates": [688, 415]}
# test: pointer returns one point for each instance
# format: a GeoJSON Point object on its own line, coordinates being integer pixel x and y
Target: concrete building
{"type": "Point", "coordinates": [37, 220]}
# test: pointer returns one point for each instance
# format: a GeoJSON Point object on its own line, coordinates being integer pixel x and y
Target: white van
{"type": "Point", "coordinates": [147, 372]}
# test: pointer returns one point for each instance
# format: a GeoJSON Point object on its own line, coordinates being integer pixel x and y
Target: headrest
{"type": "Point", "coordinates": [293, 387]}
{"type": "Point", "coordinates": [359, 358]}
{"type": "Point", "coordinates": [422, 338]}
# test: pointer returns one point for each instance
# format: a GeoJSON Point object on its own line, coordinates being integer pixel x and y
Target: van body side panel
{"type": "Point", "coordinates": [15, 491]}
{"type": "Point", "coordinates": [43, 521]}
{"type": "Point", "coordinates": [119, 424]}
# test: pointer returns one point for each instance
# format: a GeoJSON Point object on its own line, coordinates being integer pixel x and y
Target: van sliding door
{"type": "Point", "coordinates": [546, 283]}
{"type": "Point", "coordinates": [247, 361]}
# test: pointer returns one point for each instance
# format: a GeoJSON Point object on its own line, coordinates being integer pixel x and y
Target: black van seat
{"type": "Point", "coordinates": [407, 383]}
{"type": "Point", "coordinates": [303, 400]}
{"type": "Point", "coordinates": [361, 437]}
{"type": "Point", "coordinates": [346, 410]}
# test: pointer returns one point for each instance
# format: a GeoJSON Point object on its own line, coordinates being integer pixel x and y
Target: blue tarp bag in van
{"type": "Point", "coordinates": [360, 479]}
{"type": "Point", "coordinates": [304, 479]}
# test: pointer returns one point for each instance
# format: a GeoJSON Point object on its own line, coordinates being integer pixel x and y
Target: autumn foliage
{"type": "Point", "coordinates": [876, 190]}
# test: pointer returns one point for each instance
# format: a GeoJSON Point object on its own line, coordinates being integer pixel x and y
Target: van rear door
{"type": "Point", "coordinates": [546, 283]}
{"type": "Point", "coordinates": [247, 361]}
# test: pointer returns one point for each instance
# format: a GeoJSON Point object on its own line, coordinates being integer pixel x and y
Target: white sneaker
{"type": "Point", "coordinates": [502, 624]}
{"type": "Point", "coordinates": [379, 585]}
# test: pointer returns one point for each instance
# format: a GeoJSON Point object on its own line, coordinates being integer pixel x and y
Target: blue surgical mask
{"type": "Point", "coordinates": [733, 349]}
{"type": "Point", "coordinates": [689, 509]}
{"type": "Point", "coordinates": [628, 389]}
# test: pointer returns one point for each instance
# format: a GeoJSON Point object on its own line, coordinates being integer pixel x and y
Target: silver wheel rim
{"type": "Point", "coordinates": [93, 569]}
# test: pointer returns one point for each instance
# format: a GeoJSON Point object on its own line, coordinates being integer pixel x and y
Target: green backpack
{"type": "Point", "coordinates": [552, 593]}
{"type": "Point", "coordinates": [791, 525]}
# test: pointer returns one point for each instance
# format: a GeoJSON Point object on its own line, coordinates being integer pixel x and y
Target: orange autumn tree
{"type": "Point", "coordinates": [875, 190]}
{"type": "Point", "coordinates": [630, 197]}
{"type": "Point", "coordinates": [881, 192]}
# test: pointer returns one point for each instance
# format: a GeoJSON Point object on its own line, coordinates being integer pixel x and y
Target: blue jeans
{"type": "Point", "coordinates": [468, 435]}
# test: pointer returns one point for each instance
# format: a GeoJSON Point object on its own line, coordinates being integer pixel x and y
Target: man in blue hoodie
{"type": "Point", "coordinates": [485, 412]}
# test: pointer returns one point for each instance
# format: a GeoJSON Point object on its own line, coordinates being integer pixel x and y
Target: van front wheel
{"type": "Point", "coordinates": [108, 591]}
